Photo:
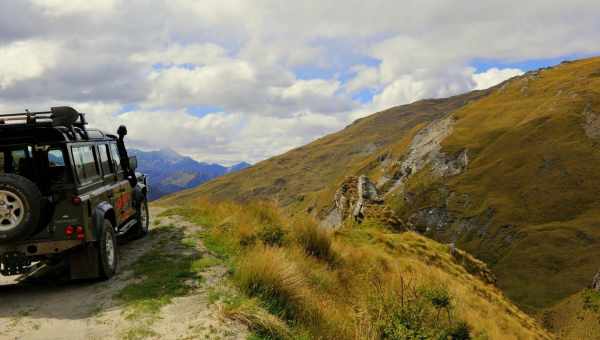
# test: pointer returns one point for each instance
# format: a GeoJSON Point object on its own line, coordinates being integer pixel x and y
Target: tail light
{"type": "Point", "coordinates": [80, 233]}
{"type": "Point", "coordinates": [69, 230]}
{"type": "Point", "coordinates": [76, 200]}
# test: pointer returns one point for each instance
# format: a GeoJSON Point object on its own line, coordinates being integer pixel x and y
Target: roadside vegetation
{"type": "Point", "coordinates": [298, 281]}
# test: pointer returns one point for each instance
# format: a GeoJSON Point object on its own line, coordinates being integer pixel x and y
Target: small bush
{"type": "Point", "coordinates": [315, 241]}
{"type": "Point", "coordinates": [265, 272]}
{"type": "Point", "coordinates": [459, 331]}
{"type": "Point", "coordinates": [272, 235]}
{"type": "Point", "coordinates": [591, 300]}
{"type": "Point", "coordinates": [438, 296]}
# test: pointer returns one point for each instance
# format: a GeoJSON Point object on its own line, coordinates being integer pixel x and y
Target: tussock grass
{"type": "Point", "coordinates": [315, 241]}
{"type": "Point", "coordinates": [265, 272]}
{"type": "Point", "coordinates": [357, 283]}
{"type": "Point", "coordinates": [265, 324]}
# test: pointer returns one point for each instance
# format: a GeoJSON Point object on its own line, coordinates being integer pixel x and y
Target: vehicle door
{"type": "Point", "coordinates": [123, 203]}
{"type": "Point", "coordinates": [109, 177]}
{"type": "Point", "coordinates": [88, 174]}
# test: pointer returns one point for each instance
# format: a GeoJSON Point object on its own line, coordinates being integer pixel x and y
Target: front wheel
{"type": "Point", "coordinates": [143, 220]}
{"type": "Point", "coordinates": [107, 248]}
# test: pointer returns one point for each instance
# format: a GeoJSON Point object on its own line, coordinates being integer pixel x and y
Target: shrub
{"type": "Point", "coordinates": [272, 235]}
{"type": "Point", "coordinates": [459, 331]}
{"type": "Point", "coordinates": [315, 240]}
{"type": "Point", "coordinates": [591, 300]}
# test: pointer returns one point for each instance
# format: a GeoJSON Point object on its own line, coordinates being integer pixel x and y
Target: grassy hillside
{"type": "Point", "coordinates": [297, 177]}
{"type": "Point", "coordinates": [363, 282]}
{"type": "Point", "coordinates": [531, 183]}
{"type": "Point", "coordinates": [576, 317]}
{"type": "Point", "coordinates": [526, 201]}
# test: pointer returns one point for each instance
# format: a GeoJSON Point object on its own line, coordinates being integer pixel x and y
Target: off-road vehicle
{"type": "Point", "coordinates": [66, 194]}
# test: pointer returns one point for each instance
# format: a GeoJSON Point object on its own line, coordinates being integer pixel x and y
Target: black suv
{"type": "Point", "coordinates": [66, 194]}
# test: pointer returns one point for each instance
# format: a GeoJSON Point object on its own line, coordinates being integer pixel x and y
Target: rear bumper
{"type": "Point", "coordinates": [37, 248]}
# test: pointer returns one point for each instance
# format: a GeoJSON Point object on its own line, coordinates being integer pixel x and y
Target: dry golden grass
{"type": "Point", "coordinates": [376, 280]}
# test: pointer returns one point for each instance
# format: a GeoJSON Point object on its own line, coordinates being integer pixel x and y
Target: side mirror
{"type": "Point", "coordinates": [133, 162]}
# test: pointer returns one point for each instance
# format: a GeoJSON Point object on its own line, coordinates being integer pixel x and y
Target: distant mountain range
{"type": "Point", "coordinates": [170, 172]}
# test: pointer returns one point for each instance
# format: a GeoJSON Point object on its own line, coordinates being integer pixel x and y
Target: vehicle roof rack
{"type": "Point", "coordinates": [57, 116]}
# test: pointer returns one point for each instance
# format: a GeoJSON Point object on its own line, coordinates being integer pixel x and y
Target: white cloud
{"type": "Point", "coordinates": [27, 59]}
{"type": "Point", "coordinates": [61, 7]}
{"type": "Point", "coordinates": [281, 75]}
{"type": "Point", "coordinates": [177, 54]}
{"type": "Point", "coordinates": [494, 76]}
{"type": "Point", "coordinates": [365, 77]}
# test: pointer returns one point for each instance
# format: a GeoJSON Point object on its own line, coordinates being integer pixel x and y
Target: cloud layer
{"type": "Point", "coordinates": [225, 80]}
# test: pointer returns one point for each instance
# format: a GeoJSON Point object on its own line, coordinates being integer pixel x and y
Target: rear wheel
{"type": "Point", "coordinates": [107, 248]}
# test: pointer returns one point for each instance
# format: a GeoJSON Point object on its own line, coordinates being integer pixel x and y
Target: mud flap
{"type": "Point", "coordinates": [84, 263]}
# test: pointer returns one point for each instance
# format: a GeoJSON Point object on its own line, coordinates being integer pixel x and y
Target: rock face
{"type": "Point", "coordinates": [596, 282]}
{"type": "Point", "coordinates": [425, 149]}
{"type": "Point", "coordinates": [367, 195]}
{"type": "Point", "coordinates": [591, 123]}
{"type": "Point", "coordinates": [358, 199]}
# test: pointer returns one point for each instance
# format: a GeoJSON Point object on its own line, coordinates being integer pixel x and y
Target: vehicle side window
{"type": "Point", "coordinates": [18, 161]}
{"type": "Point", "coordinates": [115, 156]}
{"type": "Point", "coordinates": [104, 159]}
{"type": "Point", "coordinates": [56, 158]}
{"type": "Point", "coordinates": [56, 162]}
{"type": "Point", "coordinates": [85, 164]}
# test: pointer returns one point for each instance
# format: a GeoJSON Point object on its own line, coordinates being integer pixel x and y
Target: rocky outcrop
{"type": "Point", "coordinates": [596, 282]}
{"type": "Point", "coordinates": [358, 199]}
{"type": "Point", "coordinates": [425, 149]}
{"type": "Point", "coordinates": [367, 195]}
{"type": "Point", "coordinates": [591, 123]}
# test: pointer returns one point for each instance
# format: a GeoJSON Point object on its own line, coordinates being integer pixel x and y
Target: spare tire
{"type": "Point", "coordinates": [20, 207]}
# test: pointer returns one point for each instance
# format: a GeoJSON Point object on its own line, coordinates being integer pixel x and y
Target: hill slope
{"type": "Point", "coordinates": [509, 174]}
{"type": "Point", "coordinates": [321, 165]}
{"type": "Point", "coordinates": [300, 281]}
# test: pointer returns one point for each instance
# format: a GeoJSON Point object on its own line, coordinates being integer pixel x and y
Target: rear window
{"type": "Point", "coordinates": [17, 160]}
{"type": "Point", "coordinates": [85, 163]}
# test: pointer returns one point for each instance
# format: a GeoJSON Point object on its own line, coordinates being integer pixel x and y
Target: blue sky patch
{"type": "Point", "coordinates": [201, 111]}
{"type": "Point", "coordinates": [482, 65]}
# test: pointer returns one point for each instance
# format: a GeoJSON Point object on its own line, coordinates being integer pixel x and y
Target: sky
{"type": "Point", "coordinates": [227, 81]}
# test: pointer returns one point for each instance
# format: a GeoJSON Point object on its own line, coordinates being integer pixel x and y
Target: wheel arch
{"type": "Point", "coordinates": [103, 211]}
{"type": "Point", "coordinates": [139, 192]}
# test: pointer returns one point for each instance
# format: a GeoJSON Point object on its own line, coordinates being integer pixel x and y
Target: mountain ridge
{"type": "Point", "coordinates": [170, 171]}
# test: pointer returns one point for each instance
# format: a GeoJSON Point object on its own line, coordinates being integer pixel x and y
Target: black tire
{"type": "Point", "coordinates": [108, 254]}
{"type": "Point", "coordinates": [143, 217]}
{"type": "Point", "coordinates": [19, 191]}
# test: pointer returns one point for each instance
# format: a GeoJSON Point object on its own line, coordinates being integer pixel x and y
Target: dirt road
{"type": "Point", "coordinates": [165, 294]}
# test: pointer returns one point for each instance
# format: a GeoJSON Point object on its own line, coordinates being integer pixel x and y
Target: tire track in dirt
{"type": "Point", "coordinates": [93, 310]}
